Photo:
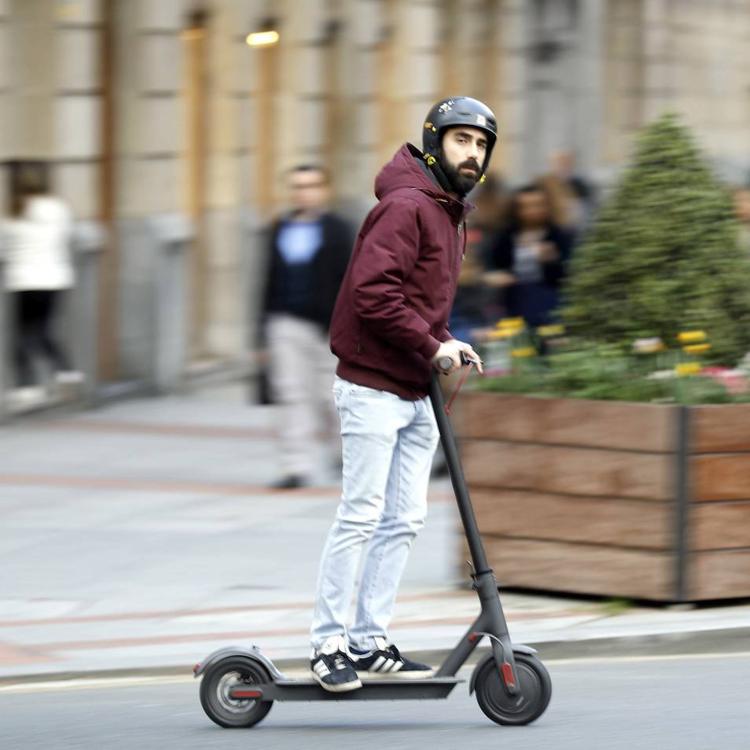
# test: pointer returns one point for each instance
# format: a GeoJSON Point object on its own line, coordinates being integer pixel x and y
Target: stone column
{"type": "Point", "coordinates": [7, 70]}
{"type": "Point", "coordinates": [53, 91]}
{"type": "Point", "coordinates": [149, 143]}
{"type": "Point", "coordinates": [52, 95]}
{"type": "Point", "coordinates": [76, 136]}
{"type": "Point", "coordinates": [623, 82]}
{"type": "Point", "coordinates": [363, 25]}
{"type": "Point", "coordinates": [514, 94]}
{"type": "Point", "coordinates": [589, 107]}
{"type": "Point", "coordinates": [414, 72]}
{"type": "Point", "coordinates": [230, 179]}
{"type": "Point", "coordinates": [301, 103]}
{"type": "Point", "coordinates": [658, 78]}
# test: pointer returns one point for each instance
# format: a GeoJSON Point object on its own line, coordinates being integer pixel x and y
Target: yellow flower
{"type": "Point", "coordinates": [696, 348]}
{"type": "Point", "coordinates": [688, 368]}
{"type": "Point", "coordinates": [511, 323]}
{"type": "Point", "coordinates": [549, 331]}
{"type": "Point", "coordinates": [691, 337]}
{"type": "Point", "coordinates": [526, 351]}
{"type": "Point", "coordinates": [498, 335]}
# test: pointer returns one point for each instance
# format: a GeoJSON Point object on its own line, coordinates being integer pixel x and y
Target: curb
{"type": "Point", "coordinates": [719, 642]}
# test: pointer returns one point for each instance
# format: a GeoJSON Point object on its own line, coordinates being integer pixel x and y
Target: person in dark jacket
{"type": "Point", "coordinates": [528, 258]}
{"type": "Point", "coordinates": [389, 330]}
{"type": "Point", "coordinates": [475, 305]}
{"type": "Point", "coordinates": [308, 252]}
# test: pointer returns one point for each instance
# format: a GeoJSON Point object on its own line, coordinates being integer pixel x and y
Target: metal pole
{"type": "Point", "coordinates": [458, 481]}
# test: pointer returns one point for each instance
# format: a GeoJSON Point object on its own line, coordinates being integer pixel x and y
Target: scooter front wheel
{"type": "Point", "coordinates": [535, 691]}
{"type": "Point", "coordinates": [227, 674]}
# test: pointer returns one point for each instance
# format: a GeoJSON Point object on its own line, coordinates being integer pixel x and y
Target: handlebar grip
{"type": "Point", "coordinates": [445, 363]}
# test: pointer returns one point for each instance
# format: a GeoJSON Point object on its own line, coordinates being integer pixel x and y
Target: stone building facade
{"type": "Point", "coordinates": [153, 112]}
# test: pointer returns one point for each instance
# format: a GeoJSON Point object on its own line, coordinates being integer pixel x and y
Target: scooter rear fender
{"type": "Point", "coordinates": [252, 652]}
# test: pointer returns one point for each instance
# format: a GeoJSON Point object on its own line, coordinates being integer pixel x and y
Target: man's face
{"type": "Point", "coordinates": [464, 150]}
{"type": "Point", "coordinates": [308, 190]}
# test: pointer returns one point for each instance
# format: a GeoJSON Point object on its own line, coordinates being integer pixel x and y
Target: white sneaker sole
{"type": "Point", "coordinates": [345, 687]}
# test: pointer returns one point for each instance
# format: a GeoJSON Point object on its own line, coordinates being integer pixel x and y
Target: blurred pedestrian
{"type": "Point", "coordinates": [475, 304]}
{"type": "Point", "coordinates": [528, 258]}
{"type": "Point", "coordinates": [742, 214]}
{"type": "Point", "coordinates": [308, 252]}
{"type": "Point", "coordinates": [389, 330]}
{"type": "Point", "coordinates": [38, 269]}
{"type": "Point", "coordinates": [572, 197]}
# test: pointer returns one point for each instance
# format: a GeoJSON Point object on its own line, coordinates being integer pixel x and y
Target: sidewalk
{"type": "Point", "coordinates": [142, 536]}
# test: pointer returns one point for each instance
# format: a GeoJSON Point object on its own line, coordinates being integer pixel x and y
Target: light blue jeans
{"type": "Point", "coordinates": [387, 448]}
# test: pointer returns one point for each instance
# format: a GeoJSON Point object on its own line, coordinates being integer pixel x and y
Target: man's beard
{"type": "Point", "coordinates": [462, 182]}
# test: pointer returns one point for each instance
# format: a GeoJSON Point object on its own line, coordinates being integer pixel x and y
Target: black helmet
{"type": "Point", "coordinates": [452, 112]}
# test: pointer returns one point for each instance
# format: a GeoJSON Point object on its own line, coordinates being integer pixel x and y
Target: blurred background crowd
{"type": "Point", "coordinates": [148, 146]}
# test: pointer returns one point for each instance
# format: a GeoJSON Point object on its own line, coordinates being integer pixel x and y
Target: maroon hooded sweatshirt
{"type": "Point", "coordinates": [393, 306]}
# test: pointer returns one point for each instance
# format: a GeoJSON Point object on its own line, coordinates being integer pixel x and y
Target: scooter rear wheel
{"type": "Point", "coordinates": [535, 691]}
{"type": "Point", "coordinates": [220, 678]}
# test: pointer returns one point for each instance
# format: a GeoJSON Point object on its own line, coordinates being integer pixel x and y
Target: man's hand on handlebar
{"type": "Point", "coordinates": [454, 354]}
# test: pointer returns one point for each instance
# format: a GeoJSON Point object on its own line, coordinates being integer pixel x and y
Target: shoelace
{"type": "Point", "coordinates": [340, 661]}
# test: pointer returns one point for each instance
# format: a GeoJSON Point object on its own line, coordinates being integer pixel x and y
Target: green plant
{"type": "Point", "coordinates": [663, 255]}
{"type": "Point", "coordinates": [605, 372]}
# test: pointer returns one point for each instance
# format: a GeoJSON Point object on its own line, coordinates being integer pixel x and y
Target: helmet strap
{"type": "Point", "coordinates": [436, 167]}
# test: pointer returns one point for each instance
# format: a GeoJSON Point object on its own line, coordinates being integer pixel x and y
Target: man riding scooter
{"type": "Point", "coordinates": [389, 329]}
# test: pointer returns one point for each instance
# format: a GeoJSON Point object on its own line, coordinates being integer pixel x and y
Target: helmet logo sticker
{"type": "Point", "coordinates": [482, 120]}
{"type": "Point", "coordinates": [446, 107]}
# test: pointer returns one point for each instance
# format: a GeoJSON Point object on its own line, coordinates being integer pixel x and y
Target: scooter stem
{"type": "Point", "coordinates": [453, 461]}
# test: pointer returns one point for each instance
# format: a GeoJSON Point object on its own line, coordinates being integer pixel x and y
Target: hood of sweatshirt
{"type": "Point", "coordinates": [407, 170]}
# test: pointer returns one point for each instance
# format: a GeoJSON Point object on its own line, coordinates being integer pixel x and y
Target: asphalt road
{"type": "Point", "coordinates": [696, 702]}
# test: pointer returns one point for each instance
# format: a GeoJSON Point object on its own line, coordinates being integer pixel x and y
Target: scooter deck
{"type": "Point", "coordinates": [374, 689]}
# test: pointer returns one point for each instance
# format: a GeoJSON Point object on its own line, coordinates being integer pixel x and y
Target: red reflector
{"type": "Point", "coordinates": [246, 694]}
{"type": "Point", "coordinates": [507, 672]}
{"type": "Point", "coordinates": [196, 668]}
{"type": "Point", "coordinates": [473, 637]}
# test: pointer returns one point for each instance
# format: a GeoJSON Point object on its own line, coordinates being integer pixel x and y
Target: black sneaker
{"type": "Point", "coordinates": [387, 661]}
{"type": "Point", "coordinates": [333, 669]}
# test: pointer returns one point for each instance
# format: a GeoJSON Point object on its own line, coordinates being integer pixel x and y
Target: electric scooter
{"type": "Point", "coordinates": [511, 684]}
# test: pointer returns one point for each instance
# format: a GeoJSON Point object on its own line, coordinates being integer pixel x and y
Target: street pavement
{"type": "Point", "coordinates": [684, 703]}
{"type": "Point", "coordinates": [139, 537]}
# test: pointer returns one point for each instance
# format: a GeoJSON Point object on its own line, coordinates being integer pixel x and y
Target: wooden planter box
{"type": "Point", "coordinates": [617, 499]}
